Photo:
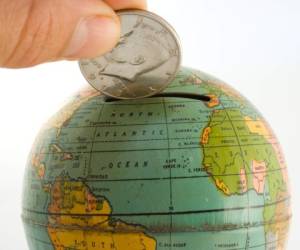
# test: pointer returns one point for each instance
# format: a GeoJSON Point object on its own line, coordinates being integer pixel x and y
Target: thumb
{"type": "Point", "coordinates": [34, 31]}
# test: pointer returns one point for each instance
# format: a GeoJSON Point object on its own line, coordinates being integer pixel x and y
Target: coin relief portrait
{"type": "Point", "coordinates": [144, 61]}
{"type": "Point", "coordinates": [138, 52]}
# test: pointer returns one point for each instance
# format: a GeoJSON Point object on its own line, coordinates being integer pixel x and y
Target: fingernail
{"type": "Point", "coordinates": [92, 37]}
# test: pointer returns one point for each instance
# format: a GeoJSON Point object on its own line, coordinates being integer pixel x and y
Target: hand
{"type": "Point", "coordinates": [38, 31]}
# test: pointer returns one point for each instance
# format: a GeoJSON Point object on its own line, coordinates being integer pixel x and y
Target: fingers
{"type": "Point", "coordinates": [127, 4]}
{"type": "Point", "coordinates": [34, 31]}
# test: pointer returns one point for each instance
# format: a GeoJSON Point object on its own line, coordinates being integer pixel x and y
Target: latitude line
{"type": "Point", "coordinates": [31, 222]}
{"type": "Point", "coordinates": [157, 149]}
{"type": "Point", "coordinates": [129, 125]}
{"type": "Point", "coordinates": [156, 139]}
{"type": "Point", "coordinates": [161, 178]}
{"type": "Point", "coordinates": [140, 124]}
{"type": "Point", "coordinates": [163, 213]}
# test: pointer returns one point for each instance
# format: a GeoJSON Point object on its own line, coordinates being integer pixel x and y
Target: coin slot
{"type": "Point", "coordinates": [198, 97]}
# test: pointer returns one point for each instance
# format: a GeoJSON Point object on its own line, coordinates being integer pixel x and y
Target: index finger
{"type": "Point", "coordinates": [127, 4]}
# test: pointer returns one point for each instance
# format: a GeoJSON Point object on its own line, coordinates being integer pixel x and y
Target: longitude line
{"type": "Point", "coordinates": [170, 171]}
{"type": "Point", "coordinates": [94, 137]}
{"type": "Point", "coordinates": [244, 160]}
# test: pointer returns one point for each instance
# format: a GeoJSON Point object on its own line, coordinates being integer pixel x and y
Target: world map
{"type": "Point", "coordinates": [157, 173]}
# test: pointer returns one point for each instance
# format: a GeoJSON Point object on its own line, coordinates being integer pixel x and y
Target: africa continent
{"type": "Point", "coordinates": [247, 156]}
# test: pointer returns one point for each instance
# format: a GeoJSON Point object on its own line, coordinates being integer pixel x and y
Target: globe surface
{"type": "Point", "coordinates": [157, 173]}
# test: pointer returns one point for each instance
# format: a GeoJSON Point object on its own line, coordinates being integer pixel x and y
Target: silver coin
{"type": "Point", "coordinates": [144, 62]}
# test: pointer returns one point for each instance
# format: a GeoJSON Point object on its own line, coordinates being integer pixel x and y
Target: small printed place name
{"type": "Point", "coordinates": [227, 245]}
{"type": "Point", "coordinates": [174, 244]}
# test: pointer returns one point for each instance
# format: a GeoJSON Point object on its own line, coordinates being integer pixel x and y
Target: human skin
{"type": "Point", "coordinates": [34, 31]}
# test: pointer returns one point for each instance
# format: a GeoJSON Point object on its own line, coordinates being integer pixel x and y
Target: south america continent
{"type": "Point", "coordinates": [79, 220]}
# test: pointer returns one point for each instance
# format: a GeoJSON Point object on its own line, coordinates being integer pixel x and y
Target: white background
{"type": "Point", "coordinates": [252, 44]}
